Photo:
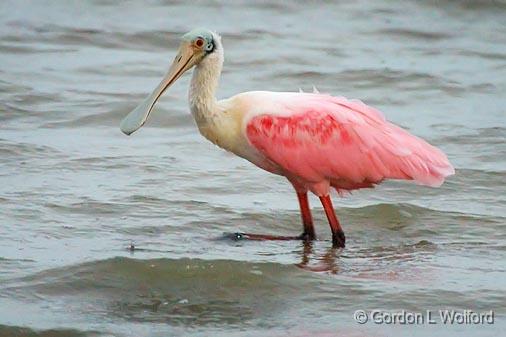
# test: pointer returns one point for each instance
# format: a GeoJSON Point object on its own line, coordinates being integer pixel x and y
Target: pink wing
{"type": "Point", "coordinates": [319, 137]}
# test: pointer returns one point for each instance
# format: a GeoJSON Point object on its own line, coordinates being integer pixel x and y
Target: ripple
{"type": "Point", "coordinates": [406, 81]}
{"type": "Point", "coordinates": [53, 34]}
{"type": "Point", "coordinates": [415, 34]}
{"type": "Point", "coordinates": [88, 206]}
{"type": "Point", "coordinates": [18, 151]}
{"type": "Point", "coordinates": [75, 193]}
{"type": "Point", "coordinates": [115, 112]}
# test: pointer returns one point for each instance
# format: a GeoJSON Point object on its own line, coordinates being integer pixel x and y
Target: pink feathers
{"type": "Point", "coordinates": [320, 141]}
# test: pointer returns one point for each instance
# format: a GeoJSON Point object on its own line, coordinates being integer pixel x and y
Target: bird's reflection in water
{"type": "Point", "coordinates": [313, 261]}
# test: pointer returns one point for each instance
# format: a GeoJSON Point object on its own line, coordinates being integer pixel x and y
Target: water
{"type": "Point", "coordinates": [75, 193]}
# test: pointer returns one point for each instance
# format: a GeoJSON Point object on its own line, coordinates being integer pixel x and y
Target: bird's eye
{"type": "Point", "coordinates": [199, 42]}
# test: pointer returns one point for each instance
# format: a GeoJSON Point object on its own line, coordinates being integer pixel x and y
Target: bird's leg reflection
{"type": "Point", "coordinates": [325, 262]}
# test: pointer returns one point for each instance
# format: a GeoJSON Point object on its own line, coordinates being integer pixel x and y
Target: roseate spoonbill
{"type": "Point", "coordinates": [316, 141]}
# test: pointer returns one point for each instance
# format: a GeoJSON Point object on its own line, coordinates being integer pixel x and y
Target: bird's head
{"type": "Point", "coordinates": [195, 46]}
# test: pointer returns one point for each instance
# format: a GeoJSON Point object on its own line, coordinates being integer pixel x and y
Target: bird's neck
{"type": "Point", "coordinates": [203, 86]}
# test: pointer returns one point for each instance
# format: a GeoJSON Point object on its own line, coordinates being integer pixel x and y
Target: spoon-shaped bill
{"type": "Point", "coordinates": [137, 117]}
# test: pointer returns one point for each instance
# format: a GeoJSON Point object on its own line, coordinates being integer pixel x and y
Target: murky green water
{"type": "Point", "coordinates": [75, 193]}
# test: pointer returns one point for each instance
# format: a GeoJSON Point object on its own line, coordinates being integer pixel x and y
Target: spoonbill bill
{"type": "Point", "coordinates": [317, 141]}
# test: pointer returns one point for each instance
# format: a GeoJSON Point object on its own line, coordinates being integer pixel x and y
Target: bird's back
{"type": "Point", "coordinates": [323, 141]}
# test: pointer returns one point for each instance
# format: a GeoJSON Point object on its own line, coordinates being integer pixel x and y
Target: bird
{"type": "Point", "coordinates": [319, 142]}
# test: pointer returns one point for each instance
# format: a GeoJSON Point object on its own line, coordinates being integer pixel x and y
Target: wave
{"type": "Point", "coordinates": [17, 331]}
{"type": "Point", "coordinates": [179, 292]}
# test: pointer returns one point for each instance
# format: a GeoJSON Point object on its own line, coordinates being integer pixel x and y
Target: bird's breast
{"type": "Point", "coordinates": [226, 132]}
{"type": "Point", "coordinates": [221, 132]}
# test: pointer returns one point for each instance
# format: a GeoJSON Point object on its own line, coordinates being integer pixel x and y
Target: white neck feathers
{"type": "Point", "coordinates": [204, 83]}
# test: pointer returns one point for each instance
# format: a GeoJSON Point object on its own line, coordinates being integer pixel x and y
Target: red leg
{"type": "Point", "coordinates": [307, 219]}
{"type": "Point", "coordinates": [338, 238]}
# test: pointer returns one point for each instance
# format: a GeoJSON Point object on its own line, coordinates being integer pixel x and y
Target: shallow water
{"type": "Point", "coordinates": [75, 193]}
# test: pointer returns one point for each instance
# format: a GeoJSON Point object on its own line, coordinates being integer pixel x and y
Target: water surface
{"type": "Point", "coordinates": [75, 193]}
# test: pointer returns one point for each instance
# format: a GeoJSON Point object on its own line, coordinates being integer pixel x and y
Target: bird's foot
{"type": "Point", "coordinates": [307, 237]}
{"type": "Point", "coordinates": [338, 239]}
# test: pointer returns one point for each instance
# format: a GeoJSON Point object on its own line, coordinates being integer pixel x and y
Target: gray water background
{"type": "Point", "coordinates": [75, 192]}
